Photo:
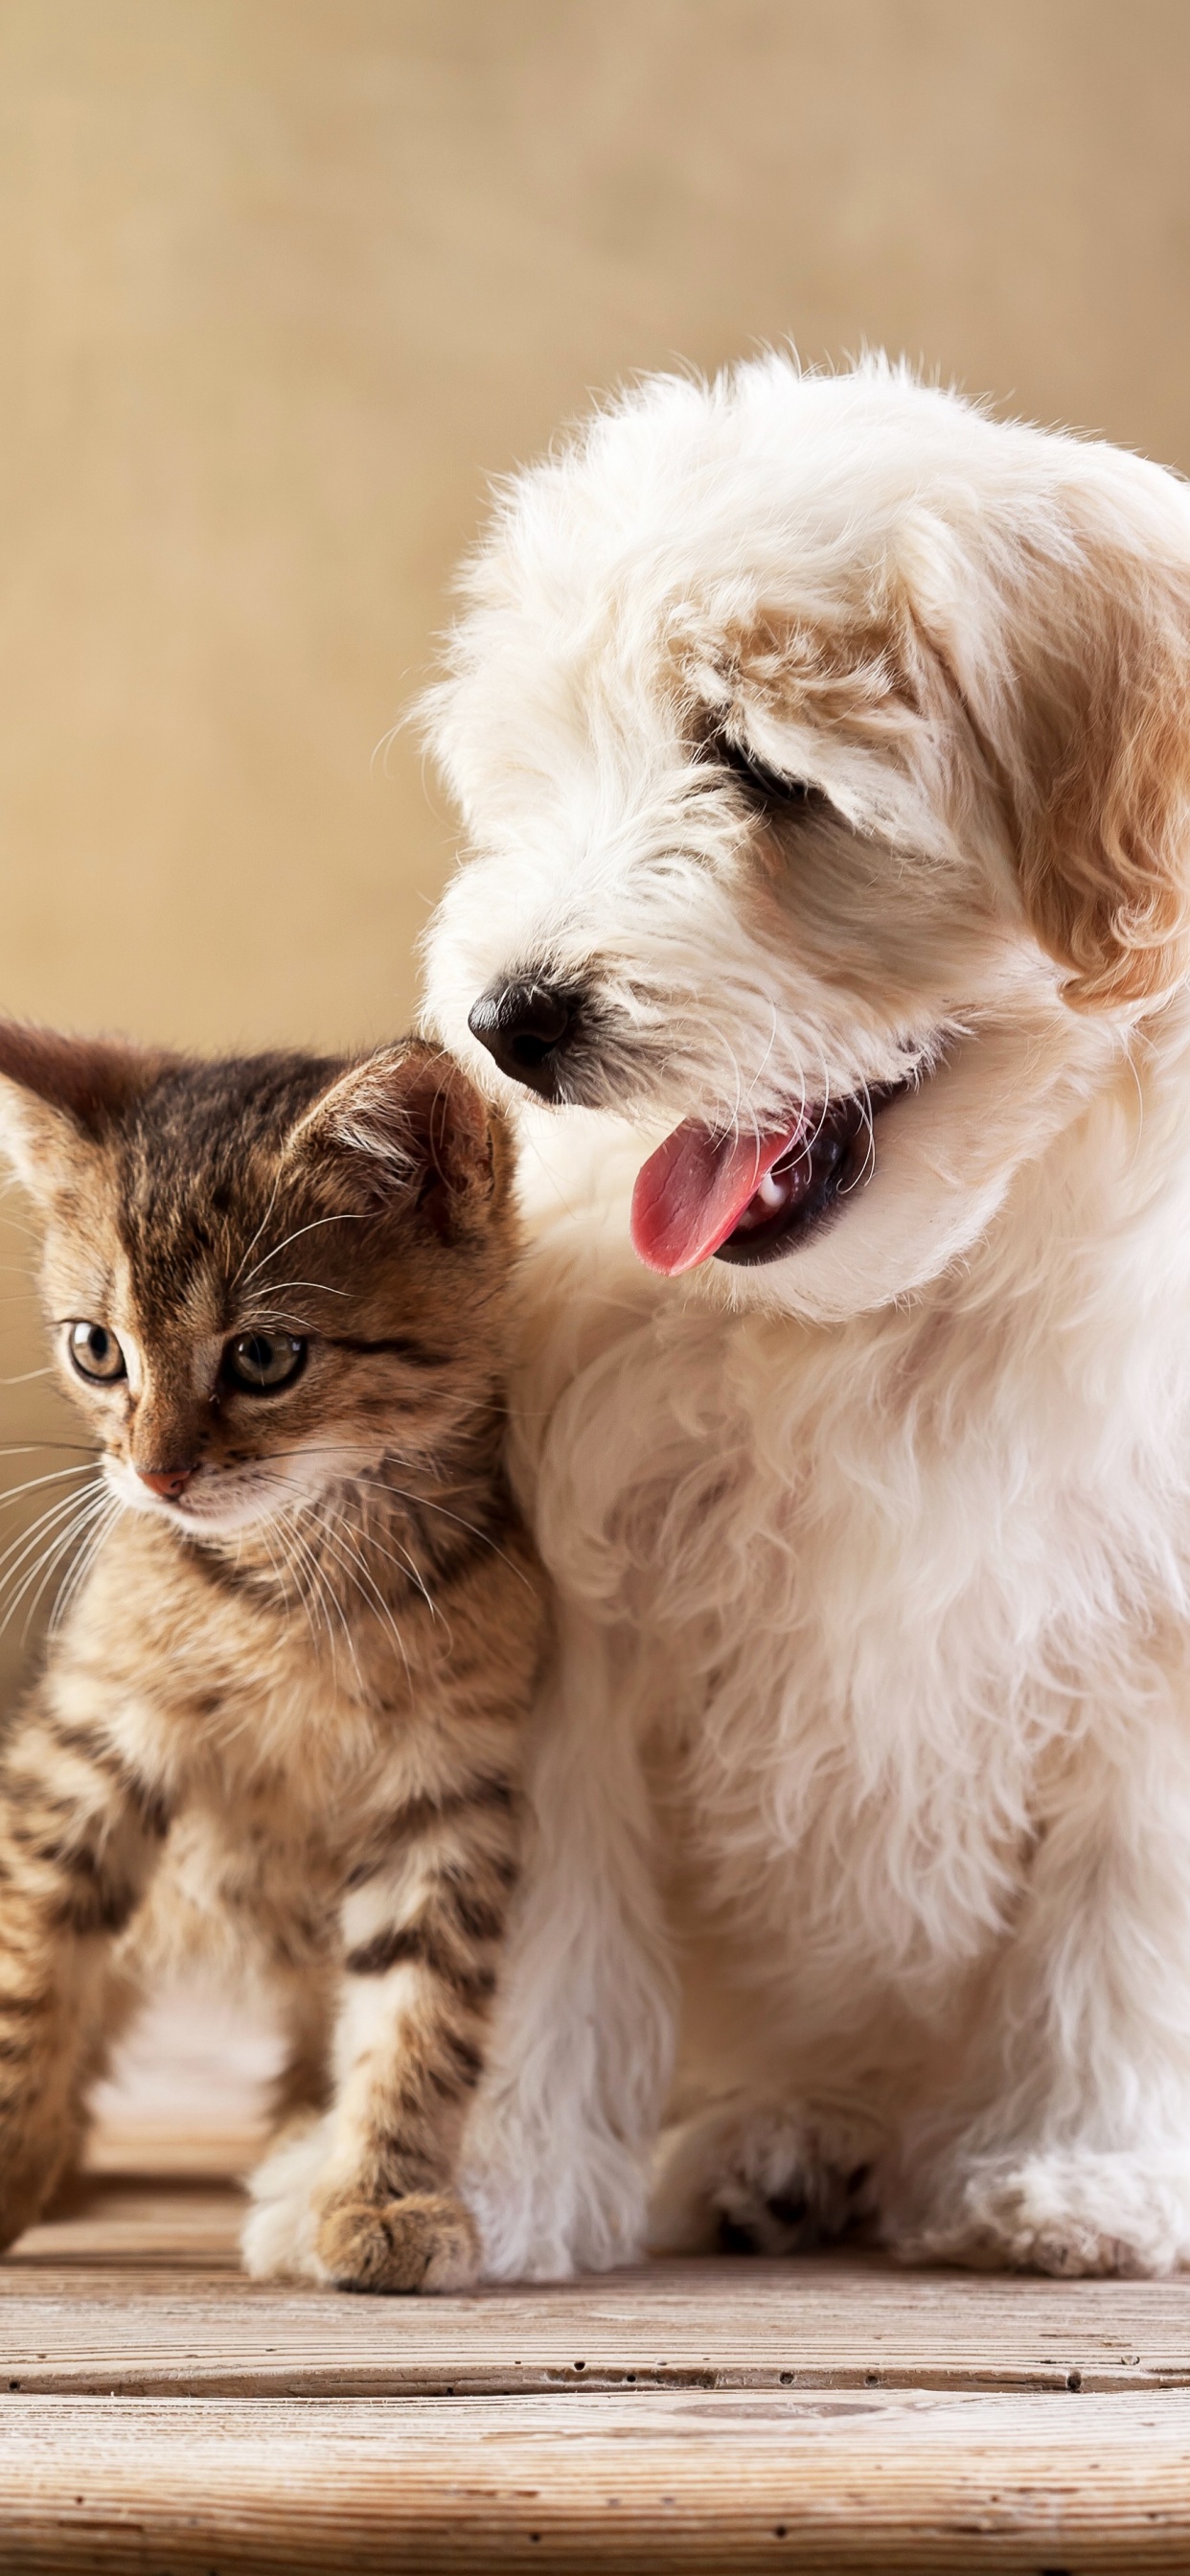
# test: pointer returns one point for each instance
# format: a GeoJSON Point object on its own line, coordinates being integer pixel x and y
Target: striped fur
{"type": "Point", "coordinates": [283, 1715]}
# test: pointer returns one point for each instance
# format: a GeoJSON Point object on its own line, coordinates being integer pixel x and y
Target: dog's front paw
{"type": "Point", "coordinates": [1074, 2214]}
{"type": "Point", "coordinates": [551, 2197]}
{"type": "Point", "coordinates": [426, 2241]}
{"type": "Point", "coordinates": [761, 2178]}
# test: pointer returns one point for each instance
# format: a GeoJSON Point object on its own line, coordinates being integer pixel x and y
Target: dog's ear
{"type": "Point", "coordinates": [781, 680]}
{"type": "Point", "coordinates": [1095, 755]}
{"type": "Point", "coordinates": [800, 702]}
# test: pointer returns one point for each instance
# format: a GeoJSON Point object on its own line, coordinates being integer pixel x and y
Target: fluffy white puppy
{"type": "Point", "coordinates": [824, 750]}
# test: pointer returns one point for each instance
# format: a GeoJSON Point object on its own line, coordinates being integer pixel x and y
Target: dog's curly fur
{"type": "Point", "coordinates": [865, 1794]}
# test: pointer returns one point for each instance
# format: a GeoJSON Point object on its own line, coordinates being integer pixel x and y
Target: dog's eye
{"type": "Point", "coordinates": [766, 784]}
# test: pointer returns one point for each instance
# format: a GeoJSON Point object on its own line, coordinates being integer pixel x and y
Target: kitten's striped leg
{"type": "Point", "coordinates": [422, 1934]}
{"type": "Point", "coordinates": [306, 1999]}
{"type": "Point", "coordinates": [78, 1840]}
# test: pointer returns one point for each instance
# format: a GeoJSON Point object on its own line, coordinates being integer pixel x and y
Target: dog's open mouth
{"type": "Point", "coordinates": [752, 1198]}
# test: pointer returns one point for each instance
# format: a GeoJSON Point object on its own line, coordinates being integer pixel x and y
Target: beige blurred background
{"type": "Point", "coordinates": [284, 282]}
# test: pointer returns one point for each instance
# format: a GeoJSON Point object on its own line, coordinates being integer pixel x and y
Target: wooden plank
{"type": "Point", "coordinates": [669, 2481]}
{"type": "Point", "coordinates": [218, 2152]}
{"type": "Point", "coordinates": [160, 2413]}
{"type": "Point", "coordinates": [124, 2221]}
{"type": "Point", "coordinates": [136, 2288]}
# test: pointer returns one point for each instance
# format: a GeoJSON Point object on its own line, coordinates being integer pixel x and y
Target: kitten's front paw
{"type": "Point", "coordinates": [427, 2241]}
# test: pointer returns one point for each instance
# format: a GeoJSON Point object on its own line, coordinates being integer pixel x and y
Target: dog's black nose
{"type": "Point", "coordinates": [527, 1028]}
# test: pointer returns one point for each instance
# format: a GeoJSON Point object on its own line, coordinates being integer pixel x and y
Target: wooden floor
{"type": "Point", "coordinates": [162, 2414]}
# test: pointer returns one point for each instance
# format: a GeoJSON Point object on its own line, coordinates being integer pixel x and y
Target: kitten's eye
{"type": "Point", "coordinates": [260, 1362]}
{"type": "Point", "coordinates": [96, 1353]}
{"type": "Point", "coordinates": [768, 784]}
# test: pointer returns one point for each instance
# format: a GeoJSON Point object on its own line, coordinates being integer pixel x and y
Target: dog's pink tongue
{"type": "Point", "coordinates": [692, 1192]}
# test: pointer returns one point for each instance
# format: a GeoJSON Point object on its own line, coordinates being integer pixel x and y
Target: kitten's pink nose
{"type": "Point", "coordinates": [169, 1482]}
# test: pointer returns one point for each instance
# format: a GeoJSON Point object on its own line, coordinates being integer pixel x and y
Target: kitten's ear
{"type": "Point", "coordinates": [405, 1126]}
{"type": "Point", "coordinates": [57, 1094]}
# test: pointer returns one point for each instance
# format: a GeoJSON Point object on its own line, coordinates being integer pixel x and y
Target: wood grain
{"type": "Point", "coordinates": [161, 2414]}
{"type": "Point", "coordinates": [664, 2481]}
{"type": "Point", "coordinates": [136, 2289]}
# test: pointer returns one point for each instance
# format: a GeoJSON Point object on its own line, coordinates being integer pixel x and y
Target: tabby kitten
{"type": "Point", "coordinates": [287, 1696]}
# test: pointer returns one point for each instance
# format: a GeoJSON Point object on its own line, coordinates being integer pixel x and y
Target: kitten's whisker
{"type": "Point", "coordinates": [60, 1548]}
{"type": "Point", "coordinates": [254, 1239]}
{"type": "Point", "coordinates": [322, 1576]}
{"type": "Point", "coordinates": [76, 1575]}
{"type": "Point", "coordinates": [47, 1555]}
{"type": "Point", "coordinates": [366, 1536]}
{"type": "Point", "coordinates": [354, 1567]}
{"type": "Point", "coordinates": [18, 1224]}
{"type": "Point", "coordinates": [328, 1540]}
{"type": "Point", "coordinates": [272, 1319]}
{"type": "Point", "coordinates": [35, 1448]}
{"type": "Point", "coordinates": [323, 1589]}
{"type": "Point", "coordinates": [320, 1287]}
{"type": "Point", "coordinates": [298, 1554]}
{"type": "Point", "coordinates": [291, 1564]}
{"type": "Point", "coordinates": [404, 1563]}
{"type": "Point", "coordinates": [57, 1476]}
{"type": "Point", "coordinates": [311, 1594]}
{"type": "Point", "coordinates": [27, 1538]}
{"type": "Point", "coordinates": [29, 1563]}
{"type": "Point", "coordinates": [417, 1502]}
{"type": "Point", "coordinates": [346, 1216]}
{"type": "Point", "coordinates": [45, 1521]}
{"type": "Point", "coordinates": [286, 1573]}
{"type": "Point", "coordinates": [422, 1502]}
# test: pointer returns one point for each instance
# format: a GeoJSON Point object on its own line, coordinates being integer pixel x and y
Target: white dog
{"type": "Point", "coordinates": [824, 747]}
